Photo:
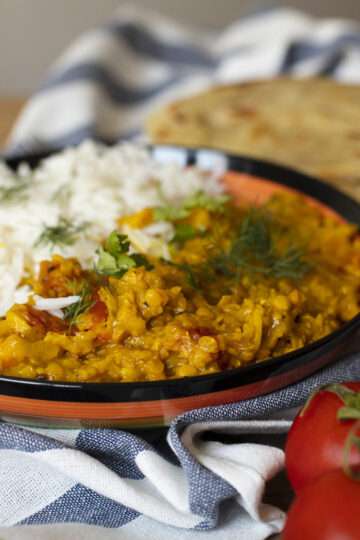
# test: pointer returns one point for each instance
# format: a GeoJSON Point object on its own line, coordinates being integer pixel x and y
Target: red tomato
{"type": "Point", "coordinates": [99, 311]}
{"type": "Point", "coordinates": [327, 509]}
{"type": "Point", "coordinates": [315, 443]}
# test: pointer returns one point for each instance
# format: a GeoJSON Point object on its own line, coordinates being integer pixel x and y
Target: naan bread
{"type": "Point", "coordinates": [309, 124]}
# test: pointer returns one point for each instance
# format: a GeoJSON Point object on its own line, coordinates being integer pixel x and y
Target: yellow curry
{"type": "Point", "coordinates": [236, 285]}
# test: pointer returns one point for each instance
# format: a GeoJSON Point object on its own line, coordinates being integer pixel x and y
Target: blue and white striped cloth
{"type": "Point", "coordinates": [106, 83]}
{"type": "Point", "coordinates": [109, 484]}
{"type": "Point", "coordinates": [101, 483]}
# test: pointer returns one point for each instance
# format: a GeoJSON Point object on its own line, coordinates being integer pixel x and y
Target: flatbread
{"type": "Point", "coordinates": [309, 124]}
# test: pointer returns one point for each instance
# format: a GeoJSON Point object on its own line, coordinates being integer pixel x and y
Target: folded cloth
{"type": "Point", "coordinates": [114, 479]}
{"type": "Point", "coordinates": [93, 483]}
{"type": "Point", "coordinates": [106, 83]}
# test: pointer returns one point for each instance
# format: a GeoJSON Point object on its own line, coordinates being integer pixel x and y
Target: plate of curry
{"type": "Point", "coordinates": [260, 288]}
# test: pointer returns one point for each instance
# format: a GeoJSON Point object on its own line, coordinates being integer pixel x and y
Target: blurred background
{"type": "Point", "coordinates": [34, 32]}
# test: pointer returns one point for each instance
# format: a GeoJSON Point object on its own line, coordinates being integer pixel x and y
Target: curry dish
{"type": "Point", "coordinates": [231, 286]}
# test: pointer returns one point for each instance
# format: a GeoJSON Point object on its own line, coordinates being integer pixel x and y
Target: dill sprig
{"type": "Point", "coordinates": [62, 194]}
{"type": "Point", "coordinates": [252, 250]}
{"type": "Point", "coordinates": [191, 272]}
{"type": "Point", "coordinates": [114, 258]}
{"type": "Point", "coordinates": [290, 264]}
{"type": "Point", "coordinates": [64, 233]}
{"type": "Point", "coordinates": [85, 302]}
{"type": "Point", "coordinates": [14, 193]}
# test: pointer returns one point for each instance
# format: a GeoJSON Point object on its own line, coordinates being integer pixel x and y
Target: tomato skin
{"type": "Point", "coordinates": [315, 443]}
{"type": "Point", "coordinates": [99, 311]}
{"type": "Point", "coordinates": [327, 509]}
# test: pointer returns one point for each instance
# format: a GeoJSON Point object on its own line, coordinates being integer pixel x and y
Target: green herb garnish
{"type": "Point", "coordinates": [62, 194]}
{"type": "Point", "coordinates": [213, 203]}
{"type": "Point", "coordinates": [253, 249]}
{"type": "Point", "coordinates": [169, 213]}
{"type": "Point", "coordinates": [200, 199]}
{"type": "Point", "coordinates": [184, 232]}
{"type": "Point", "coordinates": [64, 233]}
{"type": "Point", "coordinates": [290, 264]}
{"type": "Point", "coordinates": [14, 193]}
{"type": "Point", "coordinates": [85, 302]}
{"type": "Point", "coordinates": [189, 270]}
{"type": "Point", "coordinates": [116, 244]}
{"type": "Point", "coordinates": [114, 259]}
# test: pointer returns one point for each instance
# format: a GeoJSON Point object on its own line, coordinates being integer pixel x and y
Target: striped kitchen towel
{"type": "Point", "coordinates": [106, 83]}
{"type": "Point", "coordinates": [102, 483]}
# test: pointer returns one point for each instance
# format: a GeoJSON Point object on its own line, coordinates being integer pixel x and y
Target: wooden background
{"type": "Point", "coordinates": [9, 110]}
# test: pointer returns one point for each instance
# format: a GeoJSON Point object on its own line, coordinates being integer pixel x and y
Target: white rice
{"type": "Point", "coordinates": [89, 184]}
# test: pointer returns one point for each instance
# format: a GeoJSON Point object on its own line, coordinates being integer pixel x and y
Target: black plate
{"type": "Point", "coordinates": [331, 347]}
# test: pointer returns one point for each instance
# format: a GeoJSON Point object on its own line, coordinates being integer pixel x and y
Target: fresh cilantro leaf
{"type": "Point", "coordinates": [184, 232]}
{"type": "Point", "coordinates": [141, 260]}
{"type": "Point", "coordinates": [114, 259]}
{"type": "Point", "coordinates": [117, 243]}
{"type": "Point", "coordinates": [106, 263]}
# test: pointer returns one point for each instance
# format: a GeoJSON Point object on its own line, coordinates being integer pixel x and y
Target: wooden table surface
{"type": "Point", "coordinates": [9, 111]}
